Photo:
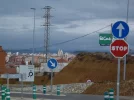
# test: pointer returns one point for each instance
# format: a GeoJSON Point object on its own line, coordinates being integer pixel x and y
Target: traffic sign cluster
{"type": "Point", "coordinates": [119, 48]}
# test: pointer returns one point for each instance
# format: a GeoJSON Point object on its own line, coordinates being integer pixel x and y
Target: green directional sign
{"type": "Point", "coordinates": [105, 39]}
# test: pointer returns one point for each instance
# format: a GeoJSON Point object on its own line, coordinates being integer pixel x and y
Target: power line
{"type": "Point", "coordinates": [79, 36]}
{"type": "Point", "coordinates": [76, 37]}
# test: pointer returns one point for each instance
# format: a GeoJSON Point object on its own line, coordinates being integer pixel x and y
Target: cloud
{"type": "Point", "coordinates": [71, 19]}
{"type": "Point", "coordinates": [18, 23]}
{"type": "Point", "coordinates": [88, 26]}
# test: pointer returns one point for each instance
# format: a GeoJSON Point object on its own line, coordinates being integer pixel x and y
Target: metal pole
{"type": "Point", "coordinates": [127, 11]}
{"type": "Point", "coordinates": [51, 81]}
{"type": "Point", "coordinates": [118, 80]}
{"type": "Point", "coordinates": [33, 37]}
{"type": "Point", "coordinates": [124, 76]}
{"type": "Point", "coordinates": [21, 86]}
{"type": "Point", "coordinates": [7, 81]}
{"type": "Point", "coordinates": [111, 33]}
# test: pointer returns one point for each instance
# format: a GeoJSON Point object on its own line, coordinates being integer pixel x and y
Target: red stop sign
{"type": "Point", "coordinates": [119, 48]}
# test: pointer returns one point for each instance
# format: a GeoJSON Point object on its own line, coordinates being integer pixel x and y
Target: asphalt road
{"type": "Point", "coordinates": [69, 97]}
{"type": "Point", "coordinates": [66, 97]}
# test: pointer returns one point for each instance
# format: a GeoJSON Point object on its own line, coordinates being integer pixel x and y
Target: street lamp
{"type": "Point", "coordinates": [124, 75]}
{"type": "Point", "coordinates": [33, 36]}
{"type": "Point", "coordinates": [127, 10]}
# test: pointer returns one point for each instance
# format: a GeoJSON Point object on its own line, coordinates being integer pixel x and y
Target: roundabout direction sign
{"type": "Point", "coordinates": [52, 64]}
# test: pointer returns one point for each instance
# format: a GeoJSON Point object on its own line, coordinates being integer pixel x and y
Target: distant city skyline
{"type": "Point", "coordinates": [71, 20]}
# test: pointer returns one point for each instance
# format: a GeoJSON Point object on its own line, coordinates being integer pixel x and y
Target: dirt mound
{"type": "Point", "coordinates": [126, 88]}
{"type": "Point", "coordinates": [39, 80]}
{"type": "Point", "coordinates": [97, 67]}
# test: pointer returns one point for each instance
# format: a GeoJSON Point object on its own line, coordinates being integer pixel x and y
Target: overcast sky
{"type": "Point", "coordinates": [71, 19]}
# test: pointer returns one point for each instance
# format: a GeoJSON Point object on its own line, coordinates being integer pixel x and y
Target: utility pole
{"type": "Point", "coordinates": [47, 17]}
{"type": "Point", "coordinates": [33, 36]}
{"type": "Point", "coordinates": [47, 25]}
{"type": "Point", "coordinates": [124, 76]}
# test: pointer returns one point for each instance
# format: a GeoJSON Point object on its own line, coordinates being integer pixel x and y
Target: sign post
{"type": "Point", "coordinates": [118, 80]}
{"type": "Point", "coordinates": [28, 73]}
{"type": "Point", "coordinates": [10, 76]}
{"type": "Point", "coordinates": [52, 63]}
{"type": "Point", "coordinates": [7, 80]}
{"type": "Point", "coordinates": [22, 86]}
{"type": "Point", "coordinates": [119, 48]}
{"type": "Point", "coordinates": [51, 81]}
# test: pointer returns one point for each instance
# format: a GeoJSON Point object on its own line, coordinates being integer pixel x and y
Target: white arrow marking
{"type": "Point", "coordinates": [120, 28]}
{"type": "Point", "coordinates": [52, 64]}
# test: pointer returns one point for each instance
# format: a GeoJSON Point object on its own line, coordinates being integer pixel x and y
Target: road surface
{"type": "Point", "coordinates": [40, 96]}
{"type": "Point", "coordinates": [67, 97]}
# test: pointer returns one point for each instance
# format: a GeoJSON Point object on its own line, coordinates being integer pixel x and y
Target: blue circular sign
{"type": "Point", "coordinates": [52, 63]}
{"type": "Point", "coordinates": [120, 29]}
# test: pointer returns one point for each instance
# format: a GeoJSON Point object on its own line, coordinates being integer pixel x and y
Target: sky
{"type": "Point", "coordinates": [70, 19]}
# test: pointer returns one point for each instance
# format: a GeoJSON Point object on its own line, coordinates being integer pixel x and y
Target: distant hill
{"type": "Point", "coordinates": [41, 50]}
{"type": "Point", "coordinates": [30, 51]}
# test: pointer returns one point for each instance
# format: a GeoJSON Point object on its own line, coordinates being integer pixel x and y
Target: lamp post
{"type": "Point", "coordinates": [124, 74]}
{"type": "Point", "coordinates": [33, 36]}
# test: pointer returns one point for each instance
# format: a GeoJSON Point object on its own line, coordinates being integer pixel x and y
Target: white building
{"type": "Point", "coordinates": [60, 53]}
{"type": "Point", "coordinates": [17, 53]}
{"type": "Point", "coordinates": [9, 54]}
